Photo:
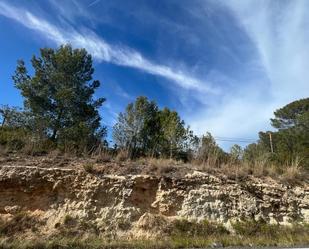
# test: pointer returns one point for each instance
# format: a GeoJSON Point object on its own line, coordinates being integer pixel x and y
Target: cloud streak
{"type": "Point", "coordinates": [272, 74]}
{"type": "Point", "coordinates": [94, 3]}
{"type": "Point", "coordinates": [278, 31]}
{"type": "Point", "coordinates": [101, 50]}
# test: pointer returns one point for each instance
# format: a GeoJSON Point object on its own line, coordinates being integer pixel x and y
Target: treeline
{"type": "Point", "coordinates": [145, 130]}
{"type": "Point", "coordinates": [60, 112]}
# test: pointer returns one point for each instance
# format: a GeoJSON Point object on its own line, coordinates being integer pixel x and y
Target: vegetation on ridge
{"type": "Point", "coordinates": [61, 113]}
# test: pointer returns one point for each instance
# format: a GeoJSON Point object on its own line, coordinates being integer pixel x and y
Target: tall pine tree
{"type": "Point", "coordinates": [59, 96]}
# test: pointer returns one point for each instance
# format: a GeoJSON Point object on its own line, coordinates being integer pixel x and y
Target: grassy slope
{"type": "Point", "coordinates": [182, 234]}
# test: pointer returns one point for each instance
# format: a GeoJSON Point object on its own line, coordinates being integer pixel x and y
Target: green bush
{"type": "Point", "coordinates": [265, 230]}
{"type": "Point", "coordinates": [251, 228]}
{"type": "Point", "coordinates": [68, 220]}
{"type": "Point", "coordinates": [13, 138]}
{"type": "Point", "coordinates": [192, 228]}
{"type": "Point", "coordinates": [88, 167]}
{"type": "Point", "coordinates": [19, 223]}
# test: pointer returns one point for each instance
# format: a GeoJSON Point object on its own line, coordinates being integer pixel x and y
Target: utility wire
{"type": "Point", "coordinates": [235, 140]}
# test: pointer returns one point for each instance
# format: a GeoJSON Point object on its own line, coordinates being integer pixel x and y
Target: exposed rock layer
{"type": "Point", "coordinates": [123, 203]}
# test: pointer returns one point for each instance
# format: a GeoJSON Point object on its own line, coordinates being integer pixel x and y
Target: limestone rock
{"type": "Point", "coordinates": [133, 205]}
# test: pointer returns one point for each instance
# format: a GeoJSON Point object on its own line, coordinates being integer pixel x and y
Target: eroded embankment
{"type": "Point", "coordinates": [136, 205]}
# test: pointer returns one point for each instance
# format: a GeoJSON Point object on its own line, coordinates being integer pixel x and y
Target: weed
{"type": "Point", "coordinates": [197, 229]}
{"type": "Point", "coordinates": [68, 220]}
{"type": "Point", "coordinates": [18, 223]}
{"type": "Point", "coordinates": [88, 167]}
{"type": "Point", "coordinates": [247, 233]}
{"type": "Point", "coordinates": [122, 155]}
{"type": "Point", "coordinates": [104, 157]}
{"type": "Point", "coordinates": [293, 172]}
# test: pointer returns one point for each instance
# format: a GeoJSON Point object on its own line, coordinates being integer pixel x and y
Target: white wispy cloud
{"type": "Point", "coordinates": [71, 10]}
{"type": "Point", "coordinates": [100, 49]}
{"type": "Point", "coordinates": [278, 30]}
{"type": "Point", "coordinates": [94, 3]}
{"type": "Point", "coordinates": [242, 113]}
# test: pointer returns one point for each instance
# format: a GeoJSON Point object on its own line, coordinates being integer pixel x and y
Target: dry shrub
{"type": "Point", "coordinates": [155, 223]}
{"type": "Point", "coordinates": [203, 167]}
{"type": "Point", "coordinates": [163, 166]}
{"type": "Point", "coordinates": [18, 223]}
{"type": "Point", "coordinates": [3, 150]}
{"type": "Point", "coordinates": [101, 155]}
{"type": "Point", "coordinates": [293, 173]}
{"type": "Point", "coordinates": [37, 147]}
{"type": "Point", "coordinates": [260, 166]}
{"type": "Point", "coordinates": [264, 167]}
{"type": "Point", "coordinates": [122, 155]}
{"type": "Point", "coordinates": [259, 170]}
{"type": "Point", "coordinates": [12, 138]}
{"type": "Point", "coordinates": [69, 220]}
{"type": "Point", "coordinates": [88, 167]}
{"type": "Point", "coordinates": [186, 228]}
{"type": "Point", "coordinates": [243, 169]}
{"type": "Point", "coordinates": [225, 168]}
{"type": "Point", "coordinates": [59, 159]}
{"type": "Point", "coordinates": [236, 171]}
{"type": "Point", "coordinates": [55, 153]}
{"type": "Point", "coordinates": [272, 170]}
{"type": "Point", "coordinates": [251, 228]}
{"type": "Point", "coordinates": [166, 169]}
{"type": "Point", "coordinates": [160, 166]}
{"type": "Point", "coordinates": [209, 160]}
{"type": "Point", "coordinates": [256, 228]}
{"type": "Point", "coordinates": [161, 162]}
{"type": "Point", "coordinates": [74, 227]}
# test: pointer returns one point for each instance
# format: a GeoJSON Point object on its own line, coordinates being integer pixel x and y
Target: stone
{"type": "Point", "coordinates": [124, 205]}
{"type": "Point", "coordinates": [12, 209]}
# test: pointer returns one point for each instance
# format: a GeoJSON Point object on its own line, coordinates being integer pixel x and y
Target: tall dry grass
{"type": "Point", "coordinates": [122, 156]}
{"type": "Point", "coordinates": [293, 172]}
{"type": "Point", "coordinates": [102, 154]}
{"type": "Point", "coordinates": [262, 166]}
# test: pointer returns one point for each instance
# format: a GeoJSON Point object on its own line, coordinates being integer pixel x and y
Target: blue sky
{"type": "Point", "coordinates": [225, 66]}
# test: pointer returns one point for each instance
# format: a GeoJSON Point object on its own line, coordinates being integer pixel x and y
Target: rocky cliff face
{"type": "Point", "coordinates": [132, 205]}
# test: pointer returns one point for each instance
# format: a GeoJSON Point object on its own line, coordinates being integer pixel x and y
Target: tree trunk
{"type": "Point", "coordinates": [53, 137]}
{"type": "Point", "coordinates": [3, 121]}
